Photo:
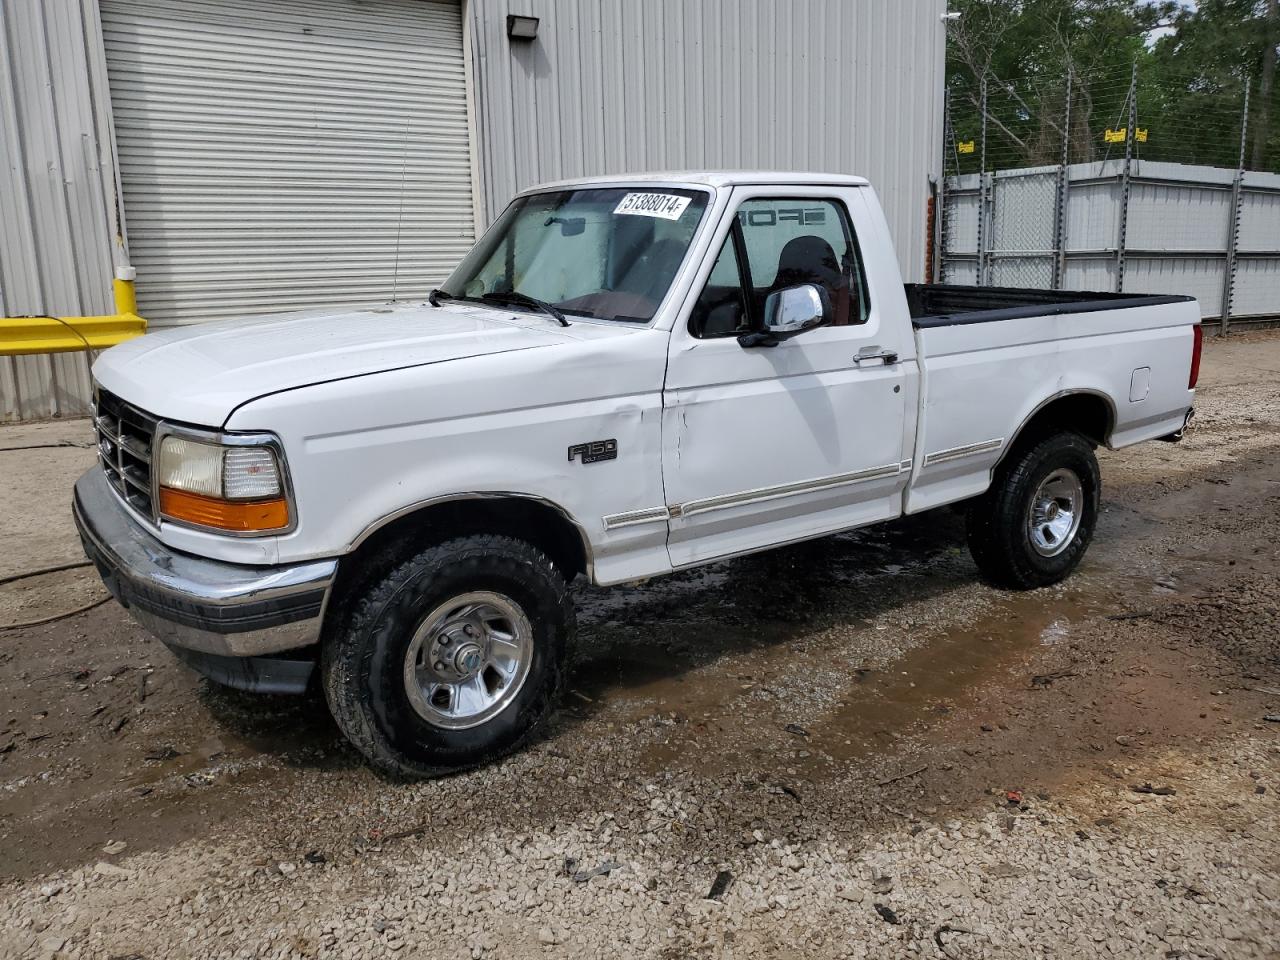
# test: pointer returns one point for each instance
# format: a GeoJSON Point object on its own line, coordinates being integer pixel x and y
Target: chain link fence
{"type": "Point", "coordinates": [1131, 218]}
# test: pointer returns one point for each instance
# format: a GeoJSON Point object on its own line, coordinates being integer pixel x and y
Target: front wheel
{"type": "Point", "coordinates": [452, 659]}
{"type": "Point", "coordinates": [1032, 527]}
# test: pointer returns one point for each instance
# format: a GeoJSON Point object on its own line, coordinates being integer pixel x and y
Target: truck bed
{"type": "Point", "coordinates": [991, 357]}
{"type": "Point", "coordinates": [948, 304]}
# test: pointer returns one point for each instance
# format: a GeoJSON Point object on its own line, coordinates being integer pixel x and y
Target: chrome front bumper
{"type": "Point", "coordinates": [208, 608]}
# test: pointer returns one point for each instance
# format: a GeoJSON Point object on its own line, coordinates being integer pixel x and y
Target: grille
{"type": "Point", "coordinates": [124, 448]}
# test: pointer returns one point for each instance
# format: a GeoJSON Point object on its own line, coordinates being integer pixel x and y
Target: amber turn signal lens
{"type": "Point", "coordinates": [241, 517]}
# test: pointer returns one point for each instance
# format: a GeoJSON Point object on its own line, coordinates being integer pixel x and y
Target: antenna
{"type": "Point", "coordinates": [404, 163]}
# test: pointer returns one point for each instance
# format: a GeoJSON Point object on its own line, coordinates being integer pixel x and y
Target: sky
{"type": "Point", "coordinates": [1159, 32]}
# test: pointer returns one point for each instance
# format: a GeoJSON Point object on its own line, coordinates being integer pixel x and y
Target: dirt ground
{"type": "Point", "coordinates": [847, 748]}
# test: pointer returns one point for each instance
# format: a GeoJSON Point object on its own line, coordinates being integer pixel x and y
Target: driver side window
{"type": "Point", "coordinates": [721, 310]}
{"type": "Point", "coordinates": [786, 241]}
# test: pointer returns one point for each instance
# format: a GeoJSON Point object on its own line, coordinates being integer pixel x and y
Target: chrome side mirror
{"type": "Point", "coordinates": [788, 312]}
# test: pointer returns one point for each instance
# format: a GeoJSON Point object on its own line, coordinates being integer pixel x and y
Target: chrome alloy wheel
{"type": "Point", "coordinates": [1055, 512]}
{"type": "Point", "coordinates": [468, 659]}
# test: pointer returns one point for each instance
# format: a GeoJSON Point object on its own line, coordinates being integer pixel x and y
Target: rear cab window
{"type": "Point", "coordinates": [778, 242]}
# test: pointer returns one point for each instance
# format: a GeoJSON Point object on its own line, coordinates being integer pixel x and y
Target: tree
{"type": "Point", "coordinates": [1026, 49]}
{"type": "Point", "coordinates": [1198, 74]}
{"type": "Point", "coordinates": [1190, 80]}
{"type": "Point", "coordinates": [1266, 87]}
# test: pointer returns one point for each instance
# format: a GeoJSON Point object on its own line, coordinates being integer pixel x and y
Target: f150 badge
{"type": "Point", "coordinates": [595, 451]}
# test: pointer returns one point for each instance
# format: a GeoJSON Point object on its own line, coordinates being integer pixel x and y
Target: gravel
{"type": "Point", "coordinates": [1097, 873]}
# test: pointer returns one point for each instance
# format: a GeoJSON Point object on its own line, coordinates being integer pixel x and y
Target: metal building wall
{"type": "Point", "coordinates": [851, 86]}
{"type": "Point", "coordinates": [610, 86]}
{"type": "Point", "coordinates": [56, 188]}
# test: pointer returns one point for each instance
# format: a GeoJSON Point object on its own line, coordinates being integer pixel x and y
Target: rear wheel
{"type": "Point", "coordinates": [452, 659]}
{"type": "Point", "coordinates": [1032, 527]}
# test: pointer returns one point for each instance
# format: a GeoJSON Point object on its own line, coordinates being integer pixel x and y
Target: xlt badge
{"type": "Point", "coordinates": [595, 451]}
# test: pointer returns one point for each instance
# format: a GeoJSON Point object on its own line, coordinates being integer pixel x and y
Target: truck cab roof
{"type": "Point", "coordinates": [710, 178]}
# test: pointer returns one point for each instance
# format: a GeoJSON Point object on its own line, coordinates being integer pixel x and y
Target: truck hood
{"type": "Point", "coordinates": [200, 374]}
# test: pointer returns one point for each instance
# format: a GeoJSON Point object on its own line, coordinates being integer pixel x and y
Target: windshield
{"type": "Point", "coordinates": [604, 253]}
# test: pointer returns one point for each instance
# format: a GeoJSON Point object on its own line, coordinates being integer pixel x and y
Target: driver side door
{"type": "Point", "coordinates": [764, 445]}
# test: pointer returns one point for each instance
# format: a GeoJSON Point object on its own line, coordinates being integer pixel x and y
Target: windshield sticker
{"type": "Point", "coordinates": [665, 205]}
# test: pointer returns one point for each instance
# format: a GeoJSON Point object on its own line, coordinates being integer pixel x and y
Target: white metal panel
{"type": "Point", "coordinates": [278, 156]}
{"type": "Point", "coordinates": [1169, 216]}
{"type": "Point", "coordinates": [1257, 288]}
{"type": "Point", "coordinates": [962, 222]}
{"type": "Point", "coordinates": [1092, 273]}
{"type": "Point", "coordinates": [1259, 216]}
{"type": "Point", "coordinates": [1175, 173]}
{"type": "Point", "coordinates": [55, 177]}
{"type": "Point", "coordinates": [963, 200]}
{"type": "Point", "coordinates": [616, 86]}
{"type": "Point", "coordinates": [1199, 277]}
{"type": "Point", "coordinates": [960, 271]}
{"type": "Point", "coordinates": [1093, 215]}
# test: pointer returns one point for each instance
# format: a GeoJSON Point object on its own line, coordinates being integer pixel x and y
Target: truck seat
{"type": "Point", "coordinates": [810, 259]}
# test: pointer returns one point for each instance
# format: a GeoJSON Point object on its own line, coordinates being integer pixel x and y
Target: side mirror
{"type": "Point", "coordinates": [788, 312]}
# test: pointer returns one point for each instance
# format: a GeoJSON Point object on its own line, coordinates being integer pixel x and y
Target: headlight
{"type": "Point", "coordinates": [226, 487]}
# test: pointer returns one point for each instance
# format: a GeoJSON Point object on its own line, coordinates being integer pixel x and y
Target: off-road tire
{"type": "Point", "coordinates": [362, 659]}
{"type": "Point", "coordinates": [997, 522]}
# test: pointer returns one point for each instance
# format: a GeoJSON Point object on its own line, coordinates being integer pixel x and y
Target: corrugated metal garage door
{"type": "Point", "coordinates": [279, 155]}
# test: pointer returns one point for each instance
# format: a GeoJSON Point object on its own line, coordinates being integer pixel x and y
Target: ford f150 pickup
{"type": "Point", "coordinates": [626, 376]}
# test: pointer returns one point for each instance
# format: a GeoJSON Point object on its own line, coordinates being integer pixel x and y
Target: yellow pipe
{"type": "Point", "coordinates": [28, 335]}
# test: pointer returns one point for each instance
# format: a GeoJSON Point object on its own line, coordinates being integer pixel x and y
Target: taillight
{"type": "Point", "coordinates": [1196, 347]}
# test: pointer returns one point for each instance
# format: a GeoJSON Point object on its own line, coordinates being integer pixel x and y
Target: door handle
{"type": "Point", "coordinates": [872, 354]}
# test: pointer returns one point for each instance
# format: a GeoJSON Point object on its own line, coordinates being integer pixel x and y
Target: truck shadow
{"type": "Point", "coordinates": [631, 636]}
{"type": "Point", "coordinates": [297, 731]}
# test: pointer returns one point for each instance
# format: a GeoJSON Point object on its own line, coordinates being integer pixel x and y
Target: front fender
{"type": "Point", "coordinates": [367, 450]}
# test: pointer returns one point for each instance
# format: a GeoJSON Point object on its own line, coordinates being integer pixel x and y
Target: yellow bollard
{"type": "Point", "coordinates": [126, 297]}
{"type": "Point", "coordinates": [36, 334]}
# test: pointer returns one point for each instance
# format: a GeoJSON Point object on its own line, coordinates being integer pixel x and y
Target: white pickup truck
{"type": "Point", "coordinates": [625, 377]}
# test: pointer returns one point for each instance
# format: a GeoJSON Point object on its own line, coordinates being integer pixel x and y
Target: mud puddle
{"type": "Point", "coordinates": [934, 680]}
{"type": "Point", "coordinates": [857, 706]}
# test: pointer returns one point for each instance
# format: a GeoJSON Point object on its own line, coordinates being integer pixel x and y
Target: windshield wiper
{"type": "Point", "coordinates": [435, 296]}
{"type": "Point", "coordinates": [524, 300]}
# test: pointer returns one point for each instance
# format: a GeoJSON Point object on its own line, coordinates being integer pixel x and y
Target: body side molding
{"type": "Point", "coordinates": [968, 450]}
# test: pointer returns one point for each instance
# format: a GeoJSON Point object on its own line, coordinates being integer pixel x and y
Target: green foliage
{"type": "Point", "coordinates": [1192, 63]}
